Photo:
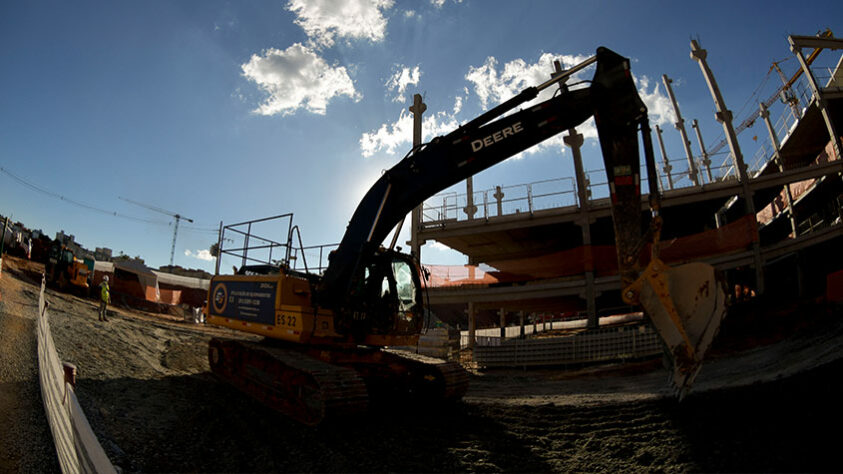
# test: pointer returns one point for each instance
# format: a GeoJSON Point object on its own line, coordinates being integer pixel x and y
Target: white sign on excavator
{"type": "Point", "coordinates": [479, 144]}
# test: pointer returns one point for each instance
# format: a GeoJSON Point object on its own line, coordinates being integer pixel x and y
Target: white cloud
{"type": "Point", "coordinates": [389, 137]}
{"type": "Point", "coordinates": [200, 254]}
{"type": "Point", "coordinates": [297, 78]}
{"type": "Point", "coordinates": [325, 20]}
{"type": "Point", "coordinates": [659, 107]}
{"type": "Point", "coordinates": [494, 84]}
{"type": "Point", "coordinates": [440, 3]}
{"type": "Point", "coordinates": [458, 105]}
{"type": "Point", "coordinates": [401, 78]}
{"type": "Point", "coordinates": [398, 135]}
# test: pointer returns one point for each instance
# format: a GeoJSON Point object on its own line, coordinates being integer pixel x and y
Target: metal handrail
{"type": "Point", "coordinates": [301, 246]}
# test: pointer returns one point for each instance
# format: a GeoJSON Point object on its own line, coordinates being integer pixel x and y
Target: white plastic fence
{"type": "Point", "coordinates": [619, 343]}
{"type": "Point", "coordinates": [76, 445]}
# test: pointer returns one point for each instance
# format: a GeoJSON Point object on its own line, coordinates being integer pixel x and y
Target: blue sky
{"type": "Point", "coordinates": [229, 111]}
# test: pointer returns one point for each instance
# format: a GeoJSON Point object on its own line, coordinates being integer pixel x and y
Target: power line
{"type": "Point", "coordinates": [83, 205]}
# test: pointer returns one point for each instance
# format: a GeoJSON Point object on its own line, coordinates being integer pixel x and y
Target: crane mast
{"type": "Point", "coordinates": [177, 217]}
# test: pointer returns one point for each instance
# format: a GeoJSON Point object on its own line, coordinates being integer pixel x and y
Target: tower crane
{"type": "Point", "coordinates": [177, 217]}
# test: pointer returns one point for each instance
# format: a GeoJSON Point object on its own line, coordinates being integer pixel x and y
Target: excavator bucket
{"type": "Point", "coordinates": [686, 304]}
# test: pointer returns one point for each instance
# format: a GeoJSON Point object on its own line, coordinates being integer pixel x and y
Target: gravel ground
{"type": "Point", "coordinates": [25, 439]}
{"type": "Point", "coordinates": [144, 384]}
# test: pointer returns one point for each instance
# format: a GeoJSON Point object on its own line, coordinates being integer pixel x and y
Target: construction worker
{"type": "Point", "coordinates": [104, 298]}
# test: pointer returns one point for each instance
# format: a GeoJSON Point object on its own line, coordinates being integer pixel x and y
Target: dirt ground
{"type": "Point", "coordinates": [145, 386]}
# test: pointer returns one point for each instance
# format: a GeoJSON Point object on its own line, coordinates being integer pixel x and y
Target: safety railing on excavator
{"type": "Point", "coordinates": [247, 247]}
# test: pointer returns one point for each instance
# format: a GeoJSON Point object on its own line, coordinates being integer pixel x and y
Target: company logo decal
{"type": "Point", "coordinates": [220, 298]}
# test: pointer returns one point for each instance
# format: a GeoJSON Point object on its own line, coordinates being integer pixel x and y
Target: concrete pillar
{"type": "Point", "coordinates": [680, 125]}
{"type": "Point", "coordinates": [472, 325]}
{"type": "Point", "coordinates": [470, 209]}
{"type": "Point", "coordinates": [667, 167]}
{"type": "Point", "coordinates": [787, 94]}
{"type": "Point", "coordinates": [796, 45]}
{"type": "Point", "coordinates": [521, 322]}
{"type": "Point", "coordinates": [499, 199]}
{"type": "Point", "coordinates": [575, 141]}
{"type": "Point", "coordinates": [503, 323]}
{"type": "Point", "coordinates": [417, 109]}
{"type": "Point", "coordinates": [724, 116]}
{"type": "Point", "coordinates": [706, 161]}
{"type": "Point", "coordinates": [765, 114]}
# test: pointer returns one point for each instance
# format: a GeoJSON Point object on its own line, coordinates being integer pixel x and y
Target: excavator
{"type": "Point", "coordinates": [327, 345]}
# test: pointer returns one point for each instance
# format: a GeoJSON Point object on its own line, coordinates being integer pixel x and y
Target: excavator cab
{"type": "Point", "coordinates": [388, 299]}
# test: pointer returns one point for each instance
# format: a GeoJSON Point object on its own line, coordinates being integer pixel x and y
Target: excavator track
{"type": "Point", "coordinates": [432, 378]}
{"type": "Point", "coordinates": [305, 389]}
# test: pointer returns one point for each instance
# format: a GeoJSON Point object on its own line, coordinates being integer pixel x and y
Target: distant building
{"type": "Point", "coordinates": [65, 238]}
{"type": "Point", "coordinates": [69, 241]}
{"type": "Point", "coordinates": [102, 254]}
{"type": "Point", "coordinates": [125, 258]}
{"type": "Point", "coordinates": [188, 272]}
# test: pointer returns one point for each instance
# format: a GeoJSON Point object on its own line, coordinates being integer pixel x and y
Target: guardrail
{"type": "Point", "coordinates": [76, 444]}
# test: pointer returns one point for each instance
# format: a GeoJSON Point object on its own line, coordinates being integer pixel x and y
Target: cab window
{"type": "Point", "coordinates": [404, 285]}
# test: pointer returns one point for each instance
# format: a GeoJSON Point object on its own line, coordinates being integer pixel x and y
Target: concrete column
{"type": "Point", "coordinates": [521, 322]}
{"type": "Point", "coordinates": [472, 325]}
{"type": "Point", "coordinates": [417, 109]}
{"type": "Point", "coordinates": [796, 45]}
{"type": "Point", "coordinates": [575, 141]}
{"type": "Point", "coordinates": [680, 125]}
{"type": "Point", "coordinates": [667, 167]}
{"type": "Point", "coordinates": [787, 94]}
{"type": "Point", "coordinates": [765, 114]}
{"type": "Point", "coordinates": [706, 161]}
{"type": "Point", "coordinates": [499, 199]}
{"type": "Point", "coordinates": [470, 209]}
{"type": "Point", "coordinates": [503, 323]}
{"type": "Point", "coordinates": [724, 116]}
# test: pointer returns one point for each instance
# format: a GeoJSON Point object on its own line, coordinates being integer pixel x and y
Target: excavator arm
{"type": "Point", "coordinates": [447, 160]}
{"type": "Point", "coordinates": [496, 135]}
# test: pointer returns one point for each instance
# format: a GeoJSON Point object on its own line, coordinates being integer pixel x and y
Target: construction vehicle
{"type": "Point", "coordinates": [325, 350]}
{"type": "Point", "coordinates": [66, 272]}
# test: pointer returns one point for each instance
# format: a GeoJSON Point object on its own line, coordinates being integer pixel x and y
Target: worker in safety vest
{"type": "Point", "coordinates": [104, 298]}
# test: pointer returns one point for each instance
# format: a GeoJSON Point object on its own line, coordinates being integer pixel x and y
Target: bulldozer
{"type": "Point", "coordinates": [327, 338]}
